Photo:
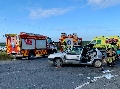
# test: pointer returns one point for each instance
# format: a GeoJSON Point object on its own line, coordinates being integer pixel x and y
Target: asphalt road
{"type": "Point", "coordinates": [39, 74]}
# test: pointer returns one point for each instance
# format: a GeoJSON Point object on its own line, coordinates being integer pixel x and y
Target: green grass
{"type": "Point", "coordinates": [2, 44]}
{"type": "Point", "coordinates": [5, 56]}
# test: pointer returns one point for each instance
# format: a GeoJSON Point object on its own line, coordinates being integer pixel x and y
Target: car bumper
{"type": "Point", "coordinates": [50, 60]}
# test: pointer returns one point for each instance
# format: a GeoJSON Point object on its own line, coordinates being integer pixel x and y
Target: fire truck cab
{"type": "Point", "coordinates": [70, 40]}
{"type": "Point", "coordinates": [26, 45]}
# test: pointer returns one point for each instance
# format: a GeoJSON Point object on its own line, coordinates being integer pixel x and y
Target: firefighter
{"type": "Point", "coordinates": [113, 56]}
{"type": "Point", "coordinates": [61, 49]}
{"type": "Point", "coordinates": [59, 45]}
{"type": "Point", "coordinates": [65, 45]}
{"type": "Point", "coordinates": [114, 49]}
{"type": "Point", "coordinates": [109, 57]}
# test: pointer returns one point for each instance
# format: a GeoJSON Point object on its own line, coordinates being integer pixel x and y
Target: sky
{"type": "Point", "coordinates": [87, 18]}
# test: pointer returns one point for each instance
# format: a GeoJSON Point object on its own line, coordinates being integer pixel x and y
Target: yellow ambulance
{"type": "Point", "coordinates": [102, 42]}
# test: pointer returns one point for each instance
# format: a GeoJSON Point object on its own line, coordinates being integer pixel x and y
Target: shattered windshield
{"type": "Point", "coordinates": [76, 50]}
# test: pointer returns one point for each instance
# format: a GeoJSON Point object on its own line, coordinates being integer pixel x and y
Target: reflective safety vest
{"type": "Point", "coordinates": [66, 47]}
{"type": "Point", "coordinates": [108, 46]}
{"type": "Point", "coordinates": [114, 46]}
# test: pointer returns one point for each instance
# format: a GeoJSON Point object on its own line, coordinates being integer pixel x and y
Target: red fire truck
{"type": "Point", "coordinates": [27, 45]}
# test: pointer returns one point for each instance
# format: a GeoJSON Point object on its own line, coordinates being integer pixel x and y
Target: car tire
{"type": "Point", "coordinates": [44, 56]}
{"type": "Point", "coordinates": [58, 62]}
{"type": "Point", "coordinates": [97, 63]}
{"type": "Point", "coordinates": [31, 56]}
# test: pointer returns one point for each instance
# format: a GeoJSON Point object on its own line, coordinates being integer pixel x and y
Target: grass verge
{"type": "Point", "coordinates": [5, 56]}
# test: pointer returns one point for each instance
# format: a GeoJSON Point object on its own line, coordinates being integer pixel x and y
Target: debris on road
{"type": "Point", "coordinates": [107, 71]}
{"type": "Point", "coordinates": [97, 77]}
{"type": "Point", "coordinates": [108, 76]}
{"type": "Point", "coordinates": [80, 74]}
{"type": "Point", "coordinates": [88, 77]}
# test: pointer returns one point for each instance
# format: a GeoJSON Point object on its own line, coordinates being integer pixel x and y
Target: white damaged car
{"type": "Point", "coordinates": [77, 55]}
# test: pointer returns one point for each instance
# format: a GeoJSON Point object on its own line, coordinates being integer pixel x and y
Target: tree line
{"type": "Point", "coordinates": [2, 44]}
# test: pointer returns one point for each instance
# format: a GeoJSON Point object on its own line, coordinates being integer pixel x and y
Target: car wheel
{"type": "Point", "coordinates": [97, 63]}
{"type": "Point", "coordinates": [58, 63]}
{"type": "Point", "coordinates": [31, 56]}
{"type": "Point", "coordinates": [18, 57]}
{"type": "Point", "coordinates": [44, 56]}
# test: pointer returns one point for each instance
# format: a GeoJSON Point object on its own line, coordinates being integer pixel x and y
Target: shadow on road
{"type": "Point", "coordinates": [36, 58]}
{"type": "Point", "coordinates": [77, 65]}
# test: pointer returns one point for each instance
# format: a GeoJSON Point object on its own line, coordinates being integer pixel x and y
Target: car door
{"type": "Point", "coordinates": [73, 55]}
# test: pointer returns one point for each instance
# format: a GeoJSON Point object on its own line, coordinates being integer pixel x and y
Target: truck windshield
{"type": "Point", "coordinates": [93, 42]}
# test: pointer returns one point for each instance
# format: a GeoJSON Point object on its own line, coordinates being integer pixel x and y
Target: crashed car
{"type": "Point", "coordinates": [78, 55]}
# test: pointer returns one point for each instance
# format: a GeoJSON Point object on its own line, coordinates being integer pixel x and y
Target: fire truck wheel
{"type": "Point", "coordinates": [31, 56]}
{"type": "Point", "coordinates": [54, 51]}
{"type": "Point", "coordinates": [49, 51]}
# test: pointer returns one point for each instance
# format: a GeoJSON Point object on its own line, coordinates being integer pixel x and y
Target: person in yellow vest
{"type": "Point", "coordinates": [114, 48]}
{"type": "Point", "coordinates": [109, 56]}
{"type": "Point", "coordinates": [113, 56]}
{"type": "Point", "coordinates": [61, 49]}
{"type": "Point", "coordinates": [65, 45]}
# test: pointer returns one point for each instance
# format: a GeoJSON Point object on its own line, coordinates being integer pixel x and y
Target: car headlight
{"type": "Point", "coordinates": [50, 56]}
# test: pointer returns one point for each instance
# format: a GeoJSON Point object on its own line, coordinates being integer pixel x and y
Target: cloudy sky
{"type": "Point", "coordinates": [87, 18]}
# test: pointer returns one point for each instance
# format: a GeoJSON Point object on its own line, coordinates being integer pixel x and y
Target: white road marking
{"type": "Point", "coordinates": [84, 84]}
{"type": "Point", "coordinates": [107, 76]}
{"type": "Point", "coordinates": [8, 73]}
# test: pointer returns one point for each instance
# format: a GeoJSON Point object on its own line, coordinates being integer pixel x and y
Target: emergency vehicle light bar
{"type": "Point", "coordinates": [30, 34]}
{"type": "Point", "coordinates": [10, 35]}
{"type": "Point", "coordinates": [33, 34]}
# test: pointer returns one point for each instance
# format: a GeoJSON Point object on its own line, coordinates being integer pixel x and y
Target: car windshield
{"type": "Point", "coordinates": [76, 50]}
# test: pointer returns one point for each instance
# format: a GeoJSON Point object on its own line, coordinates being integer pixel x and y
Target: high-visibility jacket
{"type": "Point", "coordinates": [108, 46]}
{"type": "Point", "coordinates": [114, 46]}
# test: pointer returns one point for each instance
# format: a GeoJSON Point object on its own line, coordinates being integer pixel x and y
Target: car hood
{"type": "Point", "coordinates": [60, 54]}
